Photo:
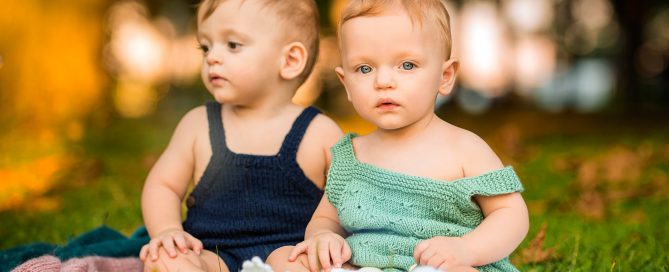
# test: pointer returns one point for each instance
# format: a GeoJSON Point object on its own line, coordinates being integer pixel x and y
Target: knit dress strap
{"type": "Point", "coordinates": [292, 141]}
{"type": "Point", "coordinates": [217, 140]}
{"type": "Point", "coordinates": [216, 132]}
{"type": "Point", "coordinates": [342, 167]}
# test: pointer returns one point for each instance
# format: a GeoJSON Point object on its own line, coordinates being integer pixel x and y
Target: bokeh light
{"type": "Point", "coordinates": [650, 60]}
{"type": "Point", "coordinates": [529, 16]}
{"type": "Point", "coordinates": [145, 53]}
{"type": "Point", "coordinates": [535, 62]}
{"type": "Point", "coordinates": [592, 14]}
{"type": "Point", "coordinates": [595, 80]}
{"type": "Point", "coordinates": [483, 49]}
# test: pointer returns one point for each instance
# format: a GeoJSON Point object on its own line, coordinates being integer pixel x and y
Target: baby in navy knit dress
{"type": "Point", "coordinates": [257, 161]}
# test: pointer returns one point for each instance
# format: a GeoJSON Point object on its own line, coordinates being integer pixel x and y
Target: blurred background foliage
{"type": "Point", "coordinates": [573, 93]}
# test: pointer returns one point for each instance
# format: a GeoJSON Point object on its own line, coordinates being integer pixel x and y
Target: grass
{"type": "Point", "coordinates": [596, 218]}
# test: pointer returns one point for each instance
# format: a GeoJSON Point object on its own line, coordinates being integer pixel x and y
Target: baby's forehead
{"type": "Point", "coordinates": [432, 21]}
{"type": "Point", "coordinates": [209, 8]}
{"type": "Point", "coordinates": [389, 26]}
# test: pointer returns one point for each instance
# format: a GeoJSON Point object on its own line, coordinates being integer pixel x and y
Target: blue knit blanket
{"type": "Point", "coordinates": [102, 241]}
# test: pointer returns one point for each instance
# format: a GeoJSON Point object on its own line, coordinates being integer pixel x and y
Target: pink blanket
{"type": "Point", "coordinates": [50, 263]}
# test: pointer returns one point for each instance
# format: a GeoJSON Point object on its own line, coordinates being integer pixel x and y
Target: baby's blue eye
{"type": "Point", "coordinates": [408, 65]}
{"type": "Point", "coordinates": [365, 69]}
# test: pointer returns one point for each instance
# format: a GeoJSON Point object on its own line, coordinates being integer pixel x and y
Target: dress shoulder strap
{"type": "Point", "coordinates": [342, 167]}
{"type": "Point", "coordinates": [216, 132]}
{"type": "Point", "coordinates": [294, 137]}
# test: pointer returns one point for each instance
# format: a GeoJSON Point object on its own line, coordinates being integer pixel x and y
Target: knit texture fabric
{"type": "Point", "coordinates": [48, 263]}
{"type": "Point", "coordinates": [101, 241]}
{"type": "Point", "coordinates": [248, 205]}
{"type": "Point", "coordinates": [388, 213]}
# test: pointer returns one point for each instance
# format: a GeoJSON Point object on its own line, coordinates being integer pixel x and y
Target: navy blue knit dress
{"type": "Point", "coordinates": [248, 205]}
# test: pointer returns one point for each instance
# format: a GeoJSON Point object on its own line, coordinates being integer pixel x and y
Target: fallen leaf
{"type": "Point", "coordinates": [535, 252]}
{"type": "Point", "coordinates": [591, 204]}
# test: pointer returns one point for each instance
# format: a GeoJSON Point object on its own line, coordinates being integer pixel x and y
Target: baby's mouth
{"type": "Point", "coordinates": [386, 104]}
{"type": "Point", "coordinates": [216, 79]}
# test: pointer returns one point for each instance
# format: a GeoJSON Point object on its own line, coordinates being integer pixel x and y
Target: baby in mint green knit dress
{"type": "Point", "coordinates": [416, 190]}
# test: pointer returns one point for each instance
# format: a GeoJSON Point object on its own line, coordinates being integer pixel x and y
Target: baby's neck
{"type": "Point", "coordinates": [260, 112]}
{"type": "Point", "coordinates": [277, 101]}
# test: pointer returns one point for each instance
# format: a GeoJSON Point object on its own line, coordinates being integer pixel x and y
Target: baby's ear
{"type": "Point", "coordinates": [293, 61]}
{"type": "Point", "coordinates": [340, 74]}
{"type": "Point", "coordinates": [449, 71]}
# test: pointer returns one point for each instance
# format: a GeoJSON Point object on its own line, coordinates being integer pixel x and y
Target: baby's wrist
{"type": "Point", "coordinates": [169, 229]}
{"type": "Point", "coordinates": [321, 232]}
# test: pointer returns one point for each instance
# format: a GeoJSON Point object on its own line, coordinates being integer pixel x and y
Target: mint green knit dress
{"type": "Point", "coordinates": [388, 213]}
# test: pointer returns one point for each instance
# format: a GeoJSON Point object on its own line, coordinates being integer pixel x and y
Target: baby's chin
{"type": "Point", "coordinates": [390, 126]}
{"type": "Point", "coordinates": [223, 96]}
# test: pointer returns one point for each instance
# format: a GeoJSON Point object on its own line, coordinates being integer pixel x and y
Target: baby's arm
{"type": "Point", "coordinates": [506, 218]}
{"type": "Point", "coordinates": [166, 186]}
{"type": "Point", "coordinates": [313, 155]}
{"type": "Point", "coordinates": [505, 225]}
{"type": "Point", "coordinates": [505, 221]}
{"type": "Point", "coordinates": [324, 239]}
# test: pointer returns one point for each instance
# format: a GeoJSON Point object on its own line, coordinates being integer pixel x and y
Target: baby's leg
{"type": "Point", "coordinates": [206, 261]}
{"type": "Point", "coordinates": [463, 269]}
{"type": "Point", "coordinates": [278, 260]}
{"type": "Point", "coordinates": [423, 268]}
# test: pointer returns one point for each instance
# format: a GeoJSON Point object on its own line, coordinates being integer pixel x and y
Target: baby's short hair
{"type": "Point", "coordinates": [300, 22]}
{"type": "Point", "coordinates": [421, 11]}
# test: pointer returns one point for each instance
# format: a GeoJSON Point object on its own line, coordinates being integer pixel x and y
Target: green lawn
{"type": "Point", "coordinates": [600, 190]}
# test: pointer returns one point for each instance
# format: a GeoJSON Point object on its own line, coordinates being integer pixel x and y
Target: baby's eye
{"type": "Point", "coordinates": [204, 48]}
{"type": "Point", "coordinates": [234, 45]}
{"type": "Point", "coordinates": [364, 69]}
{"type": "Point", "coordinates": [408, 65]}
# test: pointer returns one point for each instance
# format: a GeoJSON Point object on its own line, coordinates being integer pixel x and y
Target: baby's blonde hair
{"type": "Point", "coordinates": [421, 11]}
{"type": "Point", "coordinates": [300, 23]}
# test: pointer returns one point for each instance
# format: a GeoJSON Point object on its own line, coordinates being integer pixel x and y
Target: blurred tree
{"type": "Point", "coordinates": [635, 94]}
{"type": "Point", "coordinates": [51, 79]}
{"type": "Point", "coordinates": [632, 17]}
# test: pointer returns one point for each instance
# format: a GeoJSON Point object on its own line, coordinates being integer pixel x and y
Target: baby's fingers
{"type": "Point", "coordinates": [168, 244]}
{"type": "Point", "coordinates": [345, 253]}
{"type": "Point", "coordinates": [144, 252]}
{"type": "Point", "coordinates": [312, 257]}
{"type": "Point", "coordinates": [196, 244]}
{"type": "Point", "coordinates": [180, 240]}
{"type": "Point", "coordinates": [419, 249]}
{"type": "Point", "coordinates": [153, 248]}
{"type": "Point", "coordinates": [426, 256]}
{"type": "Point", "coordinates": [297, 250]}
{"type": "Point", "coordinates": [324, 255]}
{"type": "Point", "coordinates": [436, 261]}
{"type": "Point", "coordinates": [335, 253]}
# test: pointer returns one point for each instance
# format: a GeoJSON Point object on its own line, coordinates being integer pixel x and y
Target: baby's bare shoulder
{"type": "Point", "coordinates": [196, 117]}
{"type": "Point", "coordinates": [476, 155]}
{"type": "Point", "coordinates": [192, 128]}
{"type": "Point", "coordinates": [323, 131]}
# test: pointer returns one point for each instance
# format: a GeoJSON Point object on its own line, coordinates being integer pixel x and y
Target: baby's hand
{"type": "Point", "coordinates": [323, 247]}
{"type": "Point", "coordinates": [443, 253]}
{"type": "Point", "coordinates": [168, 239]}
